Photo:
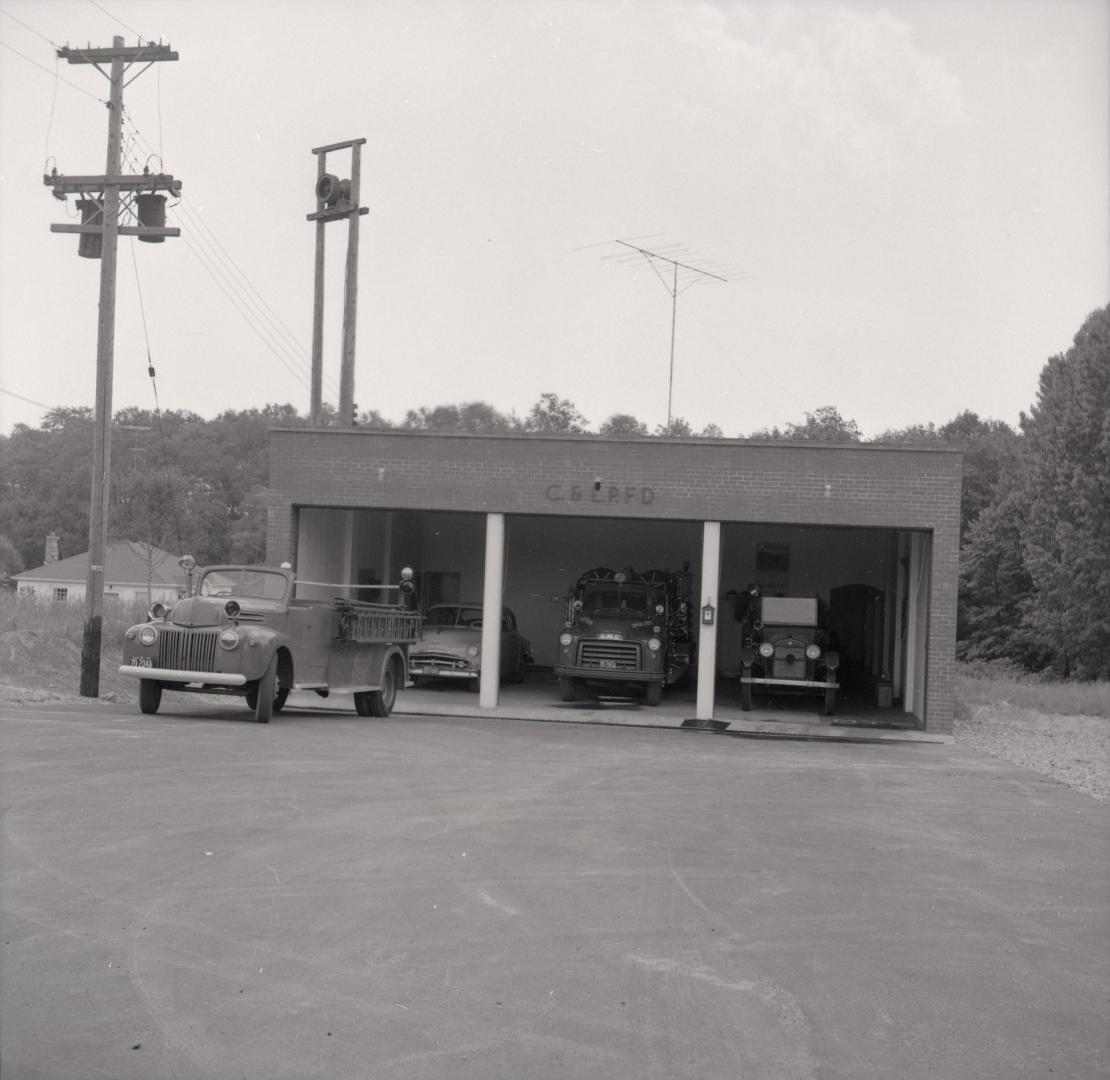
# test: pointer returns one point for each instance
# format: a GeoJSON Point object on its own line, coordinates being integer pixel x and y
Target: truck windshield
{"type": "Point", "coordinates": [253, 584]}
{"type": "Point", "coordinates": [617, 602]}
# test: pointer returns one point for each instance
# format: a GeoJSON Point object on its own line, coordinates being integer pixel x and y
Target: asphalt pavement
{"type": "Point", "coordinates": [193, 895]}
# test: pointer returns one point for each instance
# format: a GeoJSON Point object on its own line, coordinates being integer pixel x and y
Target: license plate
{"type": "Point", "coordinates": [608, 665]}
{"type": "Point", "coordinates": [142, 661]}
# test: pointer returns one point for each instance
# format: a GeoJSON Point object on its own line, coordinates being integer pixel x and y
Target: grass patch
{"type": "Point", "coordinates": [67, 620]}
{"type": "Point", "coordinates": [997, 684]}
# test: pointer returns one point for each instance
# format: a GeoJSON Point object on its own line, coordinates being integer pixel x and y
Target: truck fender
{"type": "Point", "coordinates": [395, 655]}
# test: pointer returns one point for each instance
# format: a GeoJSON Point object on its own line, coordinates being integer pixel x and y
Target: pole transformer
{"type": "Point", "coordinates": [335, 200]}
{"type": "Point", "coordinates": [100, 228]}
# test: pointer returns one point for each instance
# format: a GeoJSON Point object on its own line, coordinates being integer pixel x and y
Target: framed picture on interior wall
{"type": "Point", "coordinates": [772, 558]}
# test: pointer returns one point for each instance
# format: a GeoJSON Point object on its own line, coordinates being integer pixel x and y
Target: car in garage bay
{"type": "Point", "coordinates": [451, 647]}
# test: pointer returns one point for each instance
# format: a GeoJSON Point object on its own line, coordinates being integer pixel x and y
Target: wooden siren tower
{"type": "Point", "coordinates": [336, 199]}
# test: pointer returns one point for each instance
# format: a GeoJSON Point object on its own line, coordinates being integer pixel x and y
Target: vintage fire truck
{"type": "Point", "coordinates": [625, 627]}
{"type": "Point", "coordinates": [786, 648]}
{"type": "Point", "coordinates": [244, 632]}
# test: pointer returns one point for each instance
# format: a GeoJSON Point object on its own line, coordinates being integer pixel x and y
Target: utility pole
{"type": "Point", "coordinates": [336, 199]}
{"type": "Point", "coordinates": [99, 232]}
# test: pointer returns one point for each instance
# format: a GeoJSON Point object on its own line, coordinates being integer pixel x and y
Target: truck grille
{"type": "Point", "coordinates": [610, 655]}
{"type": "Point", "coordinates": [789, 662]}
{"type": "Point", "coordinates": [443, 661]}
{"type": "Point", "coordinates": [187, 650]}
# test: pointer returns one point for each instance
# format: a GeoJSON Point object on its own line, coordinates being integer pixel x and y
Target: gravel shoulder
{"type": "Point", "coordinates": [1073, 750]}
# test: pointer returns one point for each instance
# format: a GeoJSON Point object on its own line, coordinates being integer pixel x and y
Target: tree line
{"type": "Point", "coordinates": [1035, 510]}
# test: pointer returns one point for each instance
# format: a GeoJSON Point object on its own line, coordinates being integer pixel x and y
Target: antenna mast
{"type": "Point", "coordinates": [691, 276]}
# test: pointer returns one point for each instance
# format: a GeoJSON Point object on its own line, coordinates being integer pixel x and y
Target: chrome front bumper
{"type": "Point", "coordinates": [199, 678]}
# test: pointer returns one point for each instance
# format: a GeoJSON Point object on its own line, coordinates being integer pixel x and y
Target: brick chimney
{"type": "Point", "coordinates": [52, 552]}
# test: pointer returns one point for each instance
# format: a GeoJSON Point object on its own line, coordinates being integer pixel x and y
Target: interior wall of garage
{"type": "Point", "coordinates": [546, 555]}
{"type": "Point", "coordinates": [322, 552]}
{"type": "Point", "coordinates": [817, 560]}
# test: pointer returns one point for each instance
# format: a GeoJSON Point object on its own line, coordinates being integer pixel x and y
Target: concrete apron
{"type": "Point", "coordinates": [537, 699]}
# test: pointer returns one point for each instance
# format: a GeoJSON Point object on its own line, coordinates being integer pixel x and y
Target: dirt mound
{"type": "Point", "coordinates": [42, 665]}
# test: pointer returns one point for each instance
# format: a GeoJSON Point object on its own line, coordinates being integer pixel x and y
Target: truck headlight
{"type": "Point", "coordinates": [148, 635]}
{"type": "Point", "coordinates": [813, 651]}
{"type": "Point", "coordinates": [229, 640]}
{"type": "Point", "coordinates": [565, 639]}
{"type": "Point", "coordinates": [766, 649]}
{"type": "Point", "coordinates": [472, 650]}
{"type": "Point", "coordinates": [654, 644]}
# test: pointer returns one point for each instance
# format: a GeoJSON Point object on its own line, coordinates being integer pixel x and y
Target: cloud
{"type": "Point", "coordinates": [822, 80]}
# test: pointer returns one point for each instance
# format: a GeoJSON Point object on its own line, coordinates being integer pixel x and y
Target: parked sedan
{"type": "Point", "coordinates": [452, 645]}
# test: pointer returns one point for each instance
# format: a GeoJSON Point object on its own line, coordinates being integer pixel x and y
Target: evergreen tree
{"type": "Point", "coordinates": [1066, 533]}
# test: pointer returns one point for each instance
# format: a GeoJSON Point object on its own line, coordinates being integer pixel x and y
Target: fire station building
{"type": "Point", "coordinates": [871, 531]}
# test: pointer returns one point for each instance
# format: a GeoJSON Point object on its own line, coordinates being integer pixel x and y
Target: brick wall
{"type": "Point", "coordinates": [693, 480]}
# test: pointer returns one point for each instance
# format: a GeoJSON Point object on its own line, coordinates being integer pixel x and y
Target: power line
{"type": "Point", "coordinates": [116, 18]}
{"type": "Point", "coordinates": [231, 279]}
{"type": "Point", "coordinates": [28, 26]}
{"type": "Point", "coordinates": [54, 74]}
{"type": "Point", "coordinates": [30, 401]}
{"type": "Point", "coordinates": [157, 405]}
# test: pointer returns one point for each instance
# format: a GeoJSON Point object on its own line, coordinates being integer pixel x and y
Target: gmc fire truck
{"type": "Point", "coordinates": [621, 627]}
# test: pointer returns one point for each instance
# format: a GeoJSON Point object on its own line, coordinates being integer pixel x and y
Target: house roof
{"type": "Point", "coordinates": [126, 562]}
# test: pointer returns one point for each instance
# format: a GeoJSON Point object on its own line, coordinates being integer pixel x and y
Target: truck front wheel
{"type": "Point", "coordinates": [653, 694]}
{"type": "Point", "coordinates": [265, 693]}
{"type": "Point", "coordinates": [150, 695]}
{"type": "Point", "coordinates": [567, 688]}
{"type": "Point", "coordinates": [281, 693]}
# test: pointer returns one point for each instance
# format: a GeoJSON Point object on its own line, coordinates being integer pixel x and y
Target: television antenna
{"type": "Point", "coordinates": [680, 276]}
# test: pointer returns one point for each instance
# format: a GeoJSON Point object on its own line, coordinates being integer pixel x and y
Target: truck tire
{"type": "Point", "coordinates": [150, 696]}
{"type": "Point", "coordinates": [266, 693]}
{"type": "Point", "coordinates": [653, 693]}
{"type": "Point", "coordinates": [746, 696]}
{"type": "Point", "coordinates": [281, 694]}
{"type": "Point", "coordinates": [381, 701]}
{"type": "Point", "coordinates": [362, 703]}
{"type": "Point", "coordinates": [567, 688]}
{"type": "Point", "coordinates": [517, 674]}
{"type": "Point", "coordinates": [830, 702]}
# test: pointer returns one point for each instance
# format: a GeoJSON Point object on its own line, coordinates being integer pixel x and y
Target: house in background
{"type": "Point", "coordinates": [132, 572]}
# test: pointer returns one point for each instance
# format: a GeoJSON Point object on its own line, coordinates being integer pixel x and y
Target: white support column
{"type": "Point", "coordinates": [491, 611]}
{"type": "Point", "coordinates": [707, 633]}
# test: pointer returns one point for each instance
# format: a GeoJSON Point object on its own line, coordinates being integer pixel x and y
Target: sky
{"type": "Point", "coordinates": [908, 202]}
